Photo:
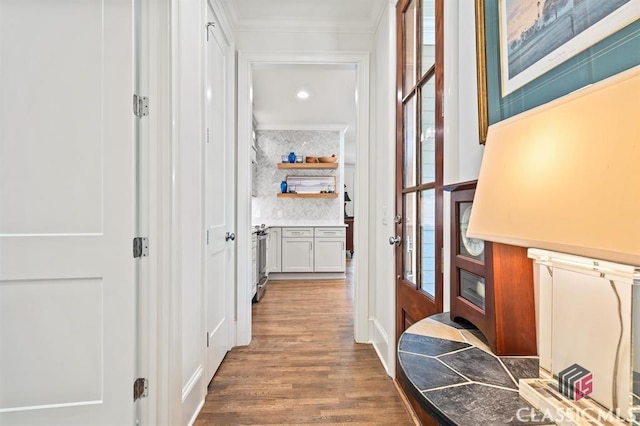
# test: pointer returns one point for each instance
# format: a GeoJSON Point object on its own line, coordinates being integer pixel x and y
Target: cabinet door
{"type": "Point", "coordinates": [297, 254]}
{"type": "Point", "coordinates": [329, 255]}
{"type": "Point", "coordinates": [274, 250]}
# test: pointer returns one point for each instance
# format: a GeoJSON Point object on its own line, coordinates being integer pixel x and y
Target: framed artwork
{"type": "Point", "coordinates": [530, 52]}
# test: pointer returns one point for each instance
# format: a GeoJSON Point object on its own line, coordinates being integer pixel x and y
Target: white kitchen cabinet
{"type": "Point", "coordinates": [329, 249]}
{"type": "Point", "coordinates": [297, 254]}
{"type": "Point", "coordinates": [309, 249]}
{"type": "Point", "coordinates": [274, 250]}
{"type": "Point", "coordinates": [329, 255]}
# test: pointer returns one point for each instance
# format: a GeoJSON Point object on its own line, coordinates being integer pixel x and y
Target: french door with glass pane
{"type": "Point", "coordinates": [419, 161]}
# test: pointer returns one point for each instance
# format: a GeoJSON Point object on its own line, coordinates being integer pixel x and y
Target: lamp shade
{"type": "Point", "coordinates": [566, 176]}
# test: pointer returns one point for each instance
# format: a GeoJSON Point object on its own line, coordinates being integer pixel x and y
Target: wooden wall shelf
{"type": "Point", "coordinates": [289, 195]}
{"type": "Point", "coordinates": [307, 165]}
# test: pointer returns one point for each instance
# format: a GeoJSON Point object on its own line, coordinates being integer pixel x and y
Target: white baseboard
{"type": "Point", "coordinates": [306, 276]}
{"type": "Point", "coordinates": [193, 397]}
{"type": "Point", "coordinates": [380, 341]}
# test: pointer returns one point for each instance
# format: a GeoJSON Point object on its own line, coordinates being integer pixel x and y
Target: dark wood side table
{"type": "Point", "coordinates": [349, 222]}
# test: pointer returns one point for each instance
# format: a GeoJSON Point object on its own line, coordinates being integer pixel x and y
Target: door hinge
{"type": "Point", "coordinates": [442, 260]}
{"type": "Point", "coordinates": [207, 237]}
{"type": "Point", "coordinates": [207, 339]}
{"type": "Point", "coordinates": [140, 388]}
{"type": "Point", "coordinates": [140, 247]}
{"type": "Point", "coordinates": [140, 106]}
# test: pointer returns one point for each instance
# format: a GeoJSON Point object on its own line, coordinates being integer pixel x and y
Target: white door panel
{"type": "Point", "coordinates": [219, 205]}
{"type": "Point", "coordinates": [67, 210]}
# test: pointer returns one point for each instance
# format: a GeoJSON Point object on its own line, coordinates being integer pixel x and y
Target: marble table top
{"type": "Point", "coordinates": [459, 381]}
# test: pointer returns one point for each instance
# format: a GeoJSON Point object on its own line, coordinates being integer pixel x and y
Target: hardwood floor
{"type": "Point", "coordinates": [303, 365]}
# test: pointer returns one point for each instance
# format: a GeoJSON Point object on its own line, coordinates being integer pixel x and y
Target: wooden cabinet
{"type": "Point", "coordinates": [274, 250]}
{"type": "Point", "coordinates": [491, 283]}
{"type": "Point", "coordinates": [349, 222]}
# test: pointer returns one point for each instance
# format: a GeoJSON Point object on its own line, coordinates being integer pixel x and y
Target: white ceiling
{"type": "Point", "coordinates": [332, 97]}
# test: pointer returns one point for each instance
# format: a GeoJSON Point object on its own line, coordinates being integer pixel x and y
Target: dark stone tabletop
{"type": "Point", "coordinates": [456, 378]}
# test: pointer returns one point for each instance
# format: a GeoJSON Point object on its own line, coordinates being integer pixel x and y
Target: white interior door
{"type": "Point", "coordinates": [67, 204]}
{"type": "Point", "coordinates": [219, 205]}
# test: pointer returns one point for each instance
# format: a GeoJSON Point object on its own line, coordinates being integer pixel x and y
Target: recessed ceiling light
{"type": "Point", "coordinates": [303, 95]}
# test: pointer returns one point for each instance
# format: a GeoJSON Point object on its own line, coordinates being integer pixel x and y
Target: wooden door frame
{"type": "Point", "coordinates": [439, 158]}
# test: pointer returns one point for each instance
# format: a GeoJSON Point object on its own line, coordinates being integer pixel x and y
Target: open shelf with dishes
{"type": "Point", "coordinates": [309, 187]}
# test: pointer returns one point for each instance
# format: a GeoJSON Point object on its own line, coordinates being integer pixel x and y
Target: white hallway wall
{"type": "Point", "coordinates": [383, 293]}
{"type": "Point", "coordinates": [462, 151]}
{"type": "Point", "coordinates": [187, 95]}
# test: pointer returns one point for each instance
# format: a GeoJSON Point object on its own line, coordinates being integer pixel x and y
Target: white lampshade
{"type": "Point", "coordinates": [566, 175]}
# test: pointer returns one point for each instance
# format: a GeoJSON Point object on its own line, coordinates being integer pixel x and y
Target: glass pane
{"type": "Point", "coordinates": [409, 47]}
{"type": "Point", "coordinates": [409, 237]}
{"type": "Point", "coordinates": [472, 288]}
{"type": "Point", "coordinates": [469, 247]}
{"type": "Point", "coordinates": [410, 153]}
{"type": "Point", "coordinates": [428, 35]}
{"type": "Point", "coordinates": [428, 243]}
{"type": "Point", "coordinates": [428, 131]}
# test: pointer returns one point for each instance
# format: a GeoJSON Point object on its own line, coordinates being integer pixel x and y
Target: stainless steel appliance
{"type": "Point", "coordinates": [261, 264]}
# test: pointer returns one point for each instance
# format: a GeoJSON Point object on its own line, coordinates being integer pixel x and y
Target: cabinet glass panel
{"type": "Point", "coordinates": [472, 288]}
{"type": "Point", "coordinates": [469, 247]}
{"type": "Point", "coordinates": [428, 52]}
{"type": "Point", "coordinates": [409, 237]}
{"type": "Point", "coordinates": [409, 47]}
{"type": "Point", "coordinates": [410, 143]}
{"type": "Point", "coordinates": [428, 131]}
{"type": "Point", "coordinates": [428, 242]}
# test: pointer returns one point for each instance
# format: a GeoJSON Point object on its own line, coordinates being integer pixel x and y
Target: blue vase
{"type": "Point", "coordinates": [292, 157]}
{"type": "Point", "coordinates": [283, 186]}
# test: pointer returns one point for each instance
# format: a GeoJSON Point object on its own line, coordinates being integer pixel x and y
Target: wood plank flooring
{"type": "Point", "coordinates": [303, 366]}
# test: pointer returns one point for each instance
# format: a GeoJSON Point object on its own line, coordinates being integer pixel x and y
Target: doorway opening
{"type": "Point", "coordinates": [248, 63]}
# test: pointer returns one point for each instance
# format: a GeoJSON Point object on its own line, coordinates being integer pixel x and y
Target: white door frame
{"type": "Point", "coordinates": [246, 61]}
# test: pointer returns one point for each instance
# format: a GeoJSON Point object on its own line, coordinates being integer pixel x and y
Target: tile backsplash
{"type": "Point", "coordinates": [271, 146]}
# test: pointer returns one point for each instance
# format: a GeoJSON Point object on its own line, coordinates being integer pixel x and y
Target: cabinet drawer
{"type": "Point", "coordinates": [297, 232]}
{"type": "Point", "coordinates": [330, 232]}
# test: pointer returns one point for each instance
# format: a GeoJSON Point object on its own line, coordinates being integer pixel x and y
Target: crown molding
{"type": "Point", "coordinates": [306, 25]}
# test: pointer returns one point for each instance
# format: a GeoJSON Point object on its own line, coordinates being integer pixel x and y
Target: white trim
{"type": "Point", "coordinates": [300, 24]}
{"type": "Point", "coordinates": [380, 341]}
{"type": "Point", "coordinates": [157, 190]}
{"type": "Point", "coordinates": [196, 413]}
{"type": "Point", "coordinates": [283, 126]}
{"type": "Point", "coordinates": [192, 382]}
{"type": "Point", "coordinates": [618, 272]}
{"type": "Point", "coordinates": [309, 276]}
{"type": "Point", "coordinates": [174, 304]}
{"type": "Point", "coordinates": [246, 59]}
